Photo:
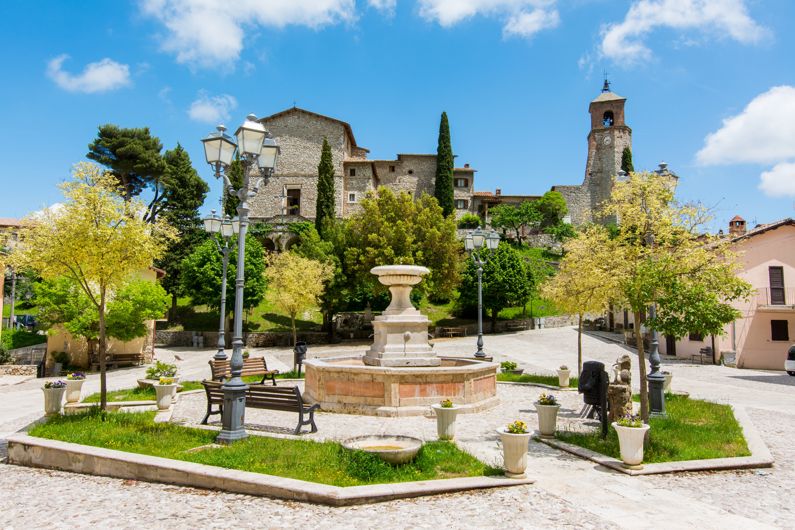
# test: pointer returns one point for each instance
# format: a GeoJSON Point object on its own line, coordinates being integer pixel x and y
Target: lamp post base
{"type": "Point", "coordinates": [233, 415]}
{"type": "Point", "coordinates": [656, 382]}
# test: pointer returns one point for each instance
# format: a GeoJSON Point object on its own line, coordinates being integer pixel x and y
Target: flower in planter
{"type": "Point", "coordinates": [166, 380]}
{"type": "Point", "coordinates": [54, 384]}
{"type": "Point", "coordinates": [630, 420]}
{"type": "Point", "coordinates": [517, 427]}
{"type": "Point", "coordinates": [76, 376]}
{"type": "Point", "coordinates": [161, 369]}
{"type": "Point", "coordinates": [563, 367]}
{"type": "Point", "coordinates": [446, 404]}
{"type": "Point", "coordinates": [508, 365]}
{"type": "Point", "coordinates": [246, 354]}
{"type": "Point", "coordinates": [547, 399]}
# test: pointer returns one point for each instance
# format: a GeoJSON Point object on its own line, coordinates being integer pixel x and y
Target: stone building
{"type": "Point", "coordinates": [607, 139]}
{"type": "Point", "coordinates": [290, 194]}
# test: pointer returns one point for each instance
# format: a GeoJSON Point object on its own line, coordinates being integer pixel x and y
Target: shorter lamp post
{"type": "Point", "coordinates": [215, 226]}
{"type": "Point", "coordinates": [475, 242]}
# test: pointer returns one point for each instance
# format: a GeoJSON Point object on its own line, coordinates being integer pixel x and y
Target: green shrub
{"type": "Point", "coordinates": [469, 220]}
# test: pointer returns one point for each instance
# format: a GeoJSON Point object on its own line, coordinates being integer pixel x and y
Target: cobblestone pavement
{"type": "Point", "coordinates": [569, 492]}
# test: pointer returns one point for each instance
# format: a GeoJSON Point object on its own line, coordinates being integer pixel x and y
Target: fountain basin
{"type": "Point", "coordinates": [348, 385]}
{"type": "Point", "coordinates": [392, 449]}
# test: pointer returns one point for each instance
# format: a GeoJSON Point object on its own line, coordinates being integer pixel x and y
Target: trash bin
{"type": "Point", "coordinates": [299, 354]}
{"type": "Point", "coordinates": [593, 387]}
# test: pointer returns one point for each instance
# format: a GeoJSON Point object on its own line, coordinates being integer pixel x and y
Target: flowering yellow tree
{"type": "Point", "coordinates": [97, 239]}
{"type": "Point", "coordinates": [584, 282]}
{"type": "Point", "coordinates": [297, 283]}
{"type": "Point", "coordinates": [662, 255]}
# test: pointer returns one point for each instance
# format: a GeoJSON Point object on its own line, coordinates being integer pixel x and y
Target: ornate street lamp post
{"type": "Point", "coordinates": [655, 378]}
{"type": "Point", "coordinates": [258, 155]}
{"type": "Point", "coordinates": [475, 242]}
{"type": "Point", "coordinates": [215, 226]}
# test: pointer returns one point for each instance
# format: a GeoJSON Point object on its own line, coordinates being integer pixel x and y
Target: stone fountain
{"type": "Point", "coordinates": [400, 375]}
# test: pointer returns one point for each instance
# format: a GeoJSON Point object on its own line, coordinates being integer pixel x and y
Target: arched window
{"type": "Point", "coordinates": [607, 119]}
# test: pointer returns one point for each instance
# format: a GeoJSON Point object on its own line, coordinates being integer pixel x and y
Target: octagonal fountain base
{"type": "Point", "coordinates": [348, 385]}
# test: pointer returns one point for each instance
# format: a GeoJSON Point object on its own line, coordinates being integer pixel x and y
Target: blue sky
{"type": "Point", "coordinates": [710, 84]}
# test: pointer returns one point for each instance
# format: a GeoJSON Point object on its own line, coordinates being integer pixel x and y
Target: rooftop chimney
{"type": "Point", "coordinates": [466, 165]}
{"type": "Point", "coordinates": [498, 192]}
{"type": "Point", "coordinates": [737, 226]}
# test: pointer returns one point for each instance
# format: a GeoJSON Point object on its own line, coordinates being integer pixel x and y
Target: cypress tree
{"type": "Point", "coordinates": [324, 208]}
{"type": "Point", "coordinates": [626, 161]}
{"type": "Point", "coordinates": [444, 168]}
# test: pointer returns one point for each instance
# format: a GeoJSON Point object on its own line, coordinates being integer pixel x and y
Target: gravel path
{"type": "Point", "coordinates": [569, 492]}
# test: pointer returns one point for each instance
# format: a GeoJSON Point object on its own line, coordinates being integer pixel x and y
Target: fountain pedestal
{"type": "Point", "coordinates": [401, 331]}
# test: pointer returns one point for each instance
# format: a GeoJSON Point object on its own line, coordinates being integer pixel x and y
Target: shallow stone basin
{"type": "Point", "coordinates": [392, 449]}
{"type": "Point", "coordinates": [348, 385]}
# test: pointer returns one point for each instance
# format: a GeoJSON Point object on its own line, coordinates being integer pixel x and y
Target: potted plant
{"type": "Point", "coordinates": [74, 386]}
{"type": "Point", "coordinates": [160, 369]}
{"type": "Point", "coordinates": [667, 385]}
{"type": "Point", "coordinates": [510, 367]}
{"type": "Point", "coordinates": [165, 390]}
{"type": "Point", "coordinates": [563, 376]}
{"type": "Point", "coordinates": [53, 397]}
{"type": "Point", "coordinates": [515, 437]}
{"type": "Point", "coordinates": [246, 354]}
{"type": "Point", "coordinates": [547, 407]}
{"type": "Point", "coordinates": [446, 413]}
{"type": "Point", "coordinates": [631, 434]}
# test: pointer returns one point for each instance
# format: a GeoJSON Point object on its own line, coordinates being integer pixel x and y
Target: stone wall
{"type": "Point", "coordinates": [252, 340]}
{"type": "Point", "coordinates": [18, 369]}
{"type": "Point", "coordinates": [578, 201]}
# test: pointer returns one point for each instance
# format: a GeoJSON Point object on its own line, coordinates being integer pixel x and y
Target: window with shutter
{"type": "Point", "coordinates": [776, 285]}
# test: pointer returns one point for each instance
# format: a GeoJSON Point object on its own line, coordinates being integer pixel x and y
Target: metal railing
{"type": "Point", "coordinates": [773, 296]}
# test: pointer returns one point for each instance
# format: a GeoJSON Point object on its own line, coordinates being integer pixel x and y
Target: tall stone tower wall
{"type": "Point", "coordinates": [605, 148]}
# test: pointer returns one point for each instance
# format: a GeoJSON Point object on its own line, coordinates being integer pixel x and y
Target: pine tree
{"type": "Point", "coordinates": [324, 209]}
{"type": "Point", "coordinates": [444, 168]}
{"type": "Point", "coordinates": [185, 192]}
{"type": "Point", "coordinates": [626, 161]}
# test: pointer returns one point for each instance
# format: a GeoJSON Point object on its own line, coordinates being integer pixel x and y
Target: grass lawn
{"type": "Point", "coordinates": [551, 380]}
{"type": "Point", "coordinates": [323, 462]}
{"type": "Point", "coordinates": [693, 430]}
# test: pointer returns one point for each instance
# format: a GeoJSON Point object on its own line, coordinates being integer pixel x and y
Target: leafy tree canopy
{"type": "Point", "coordinates": [395, 229]}
{"type": "Point", "coordinates": [324, 207]}
{"type": "Point", "coordinates": [443, 189]}
{"type": "Point", "coordinates": [201, 274]}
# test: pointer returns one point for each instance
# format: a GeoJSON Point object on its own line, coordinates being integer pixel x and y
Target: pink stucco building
{"type": "Point", "coordinates": [764, 332]}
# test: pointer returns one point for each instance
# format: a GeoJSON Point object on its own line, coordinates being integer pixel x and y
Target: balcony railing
{"type": "Point", "coordinates": [775, 296]}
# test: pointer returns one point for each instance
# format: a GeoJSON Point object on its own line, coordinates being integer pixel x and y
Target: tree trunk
{"type": "Point", "coordinates": [173, 313]}
{"type": "Point", "coordinates": [328, 325]}
{"type": "Point", "coordinates": [713, 350]}
{"type": "Point", "coordinates": [295, 335]}
{"type": "Point", "coordinates": [579, 344]}
{"type": "Point", "coordinates": [103, 346]}
{"type": "Point", "coordinates": [644, 390]}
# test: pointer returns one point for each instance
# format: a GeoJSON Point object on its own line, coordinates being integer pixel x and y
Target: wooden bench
{"type": "Point", "coordinates": [703, 352]}
{"type": "Point", "coordinates": [114, 360]}
{"type": "Point", "coordinates": [455, 331]}
{"type": "Point", "coordinates": [251, 366]}
{"type": "Point", "coordinates": [258, 396]}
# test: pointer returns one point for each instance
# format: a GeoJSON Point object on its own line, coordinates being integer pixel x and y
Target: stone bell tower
{"type": "Point", "coordinates": [606, 142]}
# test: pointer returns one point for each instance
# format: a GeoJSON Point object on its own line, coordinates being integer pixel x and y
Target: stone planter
{"type": "Point", "coordinates": [667, 385]}
{"type": "Point", "coordinates": [514, 453]}
{"type": "Point", "coordinates": [630, 441]}
{"type": "Point", "coordinates": [445, 421]}
{"type": "Point", "coordinates": [73, 389]}
{"type": "Point", "coordinates": [165, 395]}
{"type": "Point", "coordinates": [144, 383]}
{"type": "Point", "coordinates": [563, 378]}
{"type": "Point", "coordinates": [547, 419]}
{"type": "Point", "coordinates": [53, 400]}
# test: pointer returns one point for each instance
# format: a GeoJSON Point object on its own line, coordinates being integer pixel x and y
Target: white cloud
{"type": "Point", "coordinates": [386, 6]}
{"type": "Point", "coordinates": [101, 76]}
{"type": "Point", "coordinates": [625, 41]}
{"type": "Point", "coordinates": [521, 18]}
{"type": "Point", "coordinates": [212, 109]}
{"type": "Point", "coordinates": [764, 132]}
{"type": "Point", "coordinates": [779, 181]}
{"type": "Point", "coordinates": [210, 33]}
